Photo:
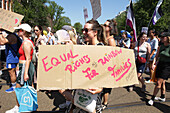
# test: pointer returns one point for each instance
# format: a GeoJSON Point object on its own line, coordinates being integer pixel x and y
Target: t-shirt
{"type": "Point", "coordinates": [154, 44]}
{"type": "Point", "coordinates": [127, 42]}
{"type": "Point", "coordinates": [51, 40]}
{"type": "Point", "coordinates": [164, 53]}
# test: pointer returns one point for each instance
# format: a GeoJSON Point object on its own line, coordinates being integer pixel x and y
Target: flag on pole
{"type": "Point", "coordinates": [130, 21]}
{"type": "Point", "coordinates": [85, 13]}
{"type": "Point", "coordinates": [157, 13]}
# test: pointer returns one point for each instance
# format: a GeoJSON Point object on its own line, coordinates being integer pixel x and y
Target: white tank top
{"type": "Point", "coordinates": [142, 50]}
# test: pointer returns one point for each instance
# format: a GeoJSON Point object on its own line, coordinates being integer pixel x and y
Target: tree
{"type": "Point", "coordinates": [143, 11]}
{"type": "Point", "coordinates": [61, 22]}
{"type": "Point", "coordinates": [34, 11]}
{"type": "Point", "coordinates": [78, 27]}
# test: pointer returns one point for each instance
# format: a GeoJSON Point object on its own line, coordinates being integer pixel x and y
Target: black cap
{"type": "Point", "coordinates": [165, 34]}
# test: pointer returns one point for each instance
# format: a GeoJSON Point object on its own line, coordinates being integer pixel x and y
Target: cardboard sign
{"type": "Point", "coordinates": [145, 30]}
{"type": "Point", "coordinates": [9, 20]}
{"type": "Point", "coordinates": [96, 7]}
{"type": "Point", "coordinates": [82, 67]}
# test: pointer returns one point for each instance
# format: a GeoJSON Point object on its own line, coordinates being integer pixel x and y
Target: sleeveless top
{"type": "Point", "coordinates": [11, 55]}
{"type": "Point", "coordinates": [21, 51]}
{"type": "Point", "coordinates": [38, 42]}
{"type": "Point", "coordinates": [142, 50]}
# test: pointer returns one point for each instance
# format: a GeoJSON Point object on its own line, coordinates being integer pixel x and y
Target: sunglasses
{"type": "Point", "coordinates": [0, 33]}
{"type": "Point", "coordinates": [106, 25]}
{"type": "Point", "coordinates": [36, 30]}
{"type": "Point", "coordinates": [86, 30]}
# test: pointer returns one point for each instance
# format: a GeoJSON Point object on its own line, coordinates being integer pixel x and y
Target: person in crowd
{"type": "Point", "coordinates": [109, 35]}
{"type": "Point", "coordinates": [39, 40]}
{"type": "Point", "coordinates": [64, 38]}
{"type": "Point", "coordinates": [26, 52]}
{"type": "Point", "coordinates": [51, 40]}
{"type": "Point", "coordinates": [125, 41]}
{"type": "Point", "coordinates": [2, 53]}
{"type": "Point", "coordinates": [45, 35]}
{"type": "Point", "coordinates": [10, 40]}
{"type": "Point", "coordinates": [142, 49]}
{"type": "Point", "coordinates": [94, 32]}
{"type": "Point", "coordinates": [153, 41]}
{"type": "Point", "coordinates": [110, 42]}
{"type": "Point", "coordinates": [163, 68]}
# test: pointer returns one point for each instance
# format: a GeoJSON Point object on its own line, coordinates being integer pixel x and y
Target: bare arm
{"type": "Point", "coordinates": [27, 47]}
{"type": "Point", "coordinates": [112, 42]}
{"type": "Point", "coordinates": [95, 91]}
{"type": "Point", "coordinates": [148, 52]}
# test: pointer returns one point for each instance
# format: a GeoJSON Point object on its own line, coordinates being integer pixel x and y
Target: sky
{"type": "Point", "coordinates": [74, 9]}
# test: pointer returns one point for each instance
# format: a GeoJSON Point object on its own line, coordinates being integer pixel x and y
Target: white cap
{"type": "Point", "coordinates": [49, 28]}
{"type": "Point", "coordinates": [63, 35]}
{"type": "Point", "coordinates": [25, 27]}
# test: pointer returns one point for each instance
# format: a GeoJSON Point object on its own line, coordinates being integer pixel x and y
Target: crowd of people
{"type": "Point", "coordinates": [153, 49]}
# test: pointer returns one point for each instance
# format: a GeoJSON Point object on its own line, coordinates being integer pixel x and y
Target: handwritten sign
{"type": "Point", "coordinates": [82, 67]}
{"type": "Point", "coordinates": [9, 20]}
{"type": "Point", "coordinates": [96, 8]}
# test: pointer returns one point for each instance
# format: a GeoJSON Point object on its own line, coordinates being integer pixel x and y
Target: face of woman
{"type": "Point", "coordinates": [106, 25]}
{"type": "Point", "coordinates": [20, 33]}
{"type": "Point", "coordinates": [37, 31]}
{"type": "Point", "coordinates": [88, 32]}
{"type": "Point", "coordinates": [144, 37]}
{"type": "Point", "coordinates": [165, 39]}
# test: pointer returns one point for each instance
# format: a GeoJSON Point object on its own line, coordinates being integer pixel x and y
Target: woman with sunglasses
{"type": "Point", "coordinates": [39, 40]}
{"type": "Point", "coordinates": [26, 67]}
{"type": "Point", "coordinates": [109, 24]}
{"type": "Point", "coordinates": [95, 33]}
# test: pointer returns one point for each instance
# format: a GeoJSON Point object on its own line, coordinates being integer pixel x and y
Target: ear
{"type": "Point", "coordinates": [95, 32]}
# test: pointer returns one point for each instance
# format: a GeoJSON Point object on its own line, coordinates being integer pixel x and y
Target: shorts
{"type": "Point", "coordinates": [140, 67]}
{"type": "Point", "coordinates": [163, 70]}
{"type": "Point", "coordinates": [107, 90]}
{"type": "Point", "coordinates": [2, 55]}
{"type": "Point", "coordinates": [11, 65]}
{"type": "Point", "coordinates": [20, 78]}
{"type": "Point", "coordinates": [153, 56]}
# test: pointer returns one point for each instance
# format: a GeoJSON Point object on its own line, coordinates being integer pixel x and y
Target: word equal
{"type": "Point", "coordinates": [56, 61]}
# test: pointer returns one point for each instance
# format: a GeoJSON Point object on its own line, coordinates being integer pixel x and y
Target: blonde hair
{"type": "Point", "coordinates": [72, 37]}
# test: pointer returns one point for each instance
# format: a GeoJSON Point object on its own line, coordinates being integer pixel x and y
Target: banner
{"type": "Point", "coordinates": [96, 7]}
{"type": "Point", "coordinates": [9, 20]}
{"type": "Point", "coordinates": [85, 13]}
{"type": "Point", "coordinates": [82, 67]}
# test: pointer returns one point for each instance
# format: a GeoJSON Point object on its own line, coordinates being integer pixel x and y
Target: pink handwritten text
{"type": "Point", "coordinates": [109, 56]}
{"type": "Point", "coordinates": [78, 63]}
{"type": "Point", "coordinates": [121, 71]}
{"type": "Point", "coordinates": [90, 75]}
{"type": "Point", "coordinates": [55, 61]}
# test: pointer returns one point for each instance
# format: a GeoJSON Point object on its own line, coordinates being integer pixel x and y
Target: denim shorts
{"type": "Point", "coordinates": [153, 56]}
{"type": "Point", "coordinates": [11, 65]}
{"type": "Point", "coordinates": [140, 67]}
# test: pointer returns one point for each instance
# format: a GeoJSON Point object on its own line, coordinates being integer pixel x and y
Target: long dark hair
{"type": "Point", "coordinates": [40, 28]}
{"type": "Point", "coordinates": [100, 32]}
{"type": "Point", "coordinates": [143, 33]}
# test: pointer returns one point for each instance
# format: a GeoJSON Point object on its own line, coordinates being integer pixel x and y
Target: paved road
{"type": "Point", "coordinates": [120, 101]}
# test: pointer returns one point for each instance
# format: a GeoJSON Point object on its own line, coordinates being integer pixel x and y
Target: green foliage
{"type": "Point", "coordinates": [34, 11]}
{"type": "Point", "coordinates": [143, 11]}
{"type": "Point", "coordinates": [78, 27]}
{"type": "Point", "coordinates": [61, 22]}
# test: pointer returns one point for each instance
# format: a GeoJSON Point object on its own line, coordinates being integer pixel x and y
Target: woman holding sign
{"type": "Point", "coordinates": [142, 50]}
{"type": "Point", "coordinates": [94, 32]}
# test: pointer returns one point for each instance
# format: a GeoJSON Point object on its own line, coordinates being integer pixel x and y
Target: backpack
{"type": "Point", "coordinates": [34, 58]}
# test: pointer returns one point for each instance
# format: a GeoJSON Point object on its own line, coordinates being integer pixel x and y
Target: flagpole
{"type": "Point", "coordinates": [151, 19]}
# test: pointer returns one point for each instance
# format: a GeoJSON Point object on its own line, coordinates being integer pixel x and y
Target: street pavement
{"type": "Point", "coordinates": [120, 100]}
